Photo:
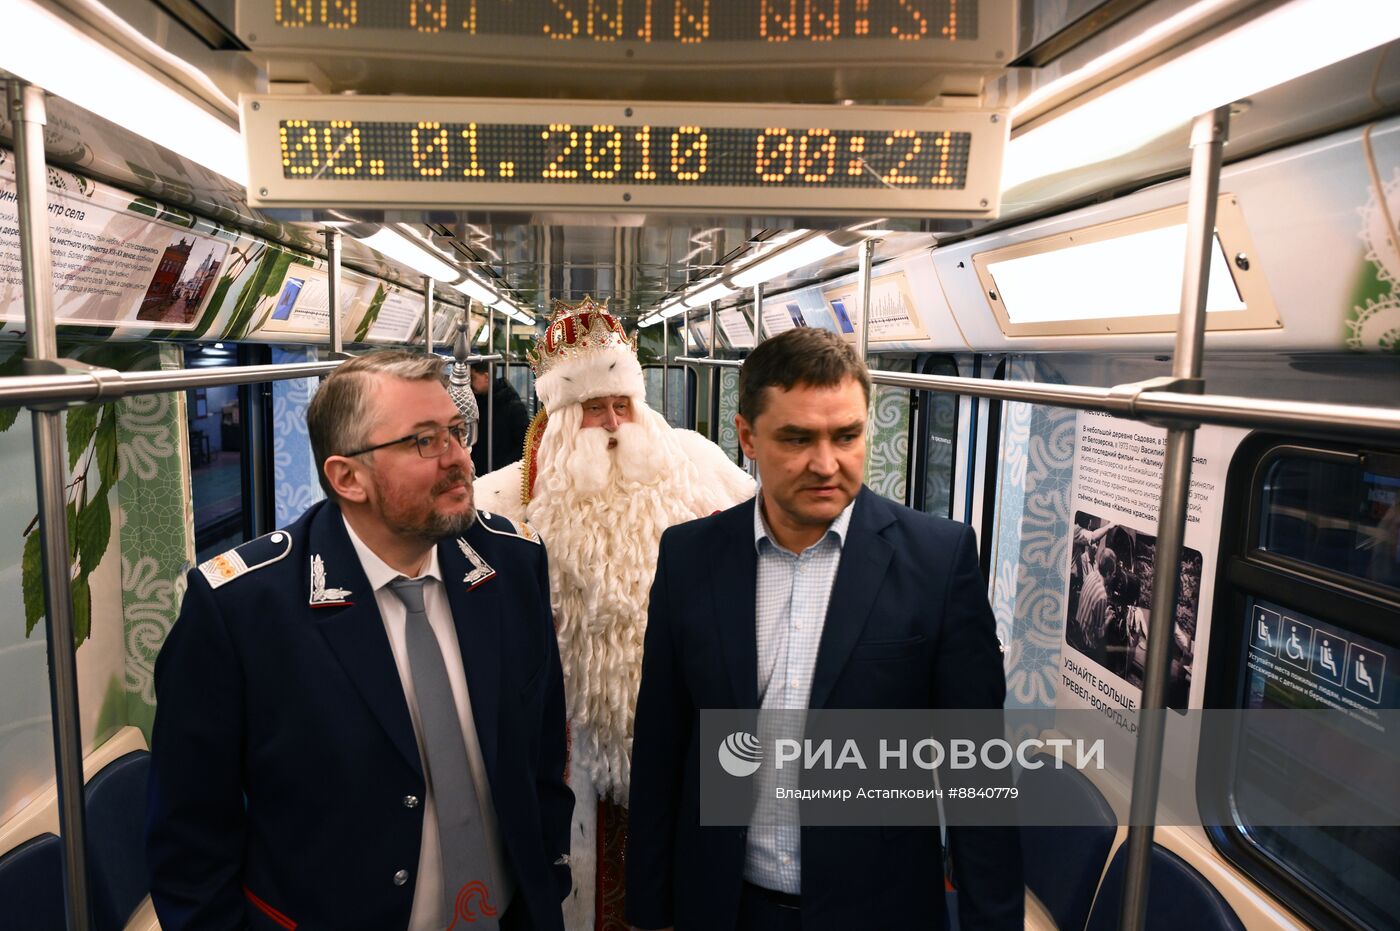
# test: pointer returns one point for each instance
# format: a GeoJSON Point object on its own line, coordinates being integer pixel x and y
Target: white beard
{"type": "Point", "coordinates": [601, 513]}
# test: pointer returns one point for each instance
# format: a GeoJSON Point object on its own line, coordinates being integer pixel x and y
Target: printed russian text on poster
{"type": "Point", "coordinates": [398, 317]}
{"type": "Point", "coordinates": [736, 329]}
{"type": "Point", "coordinates": [111, 267]}
{"type": "Point", "coordinates": [1116, 494]}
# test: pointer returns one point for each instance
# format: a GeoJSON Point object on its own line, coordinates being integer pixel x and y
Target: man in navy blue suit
{"type": "Point", "coordinates": [361, 717]}
{"type": "Point", "coordinates": [817, 594]}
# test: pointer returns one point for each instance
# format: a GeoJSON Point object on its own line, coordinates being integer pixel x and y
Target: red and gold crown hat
{"type": "Point", "coordinates": [584, 353]}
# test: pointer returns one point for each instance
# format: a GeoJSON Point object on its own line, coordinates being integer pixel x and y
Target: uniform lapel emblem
{"type": "Point", "coordinates": [321, 596]}
{"type": "Point", "coordinates": [480, 571]}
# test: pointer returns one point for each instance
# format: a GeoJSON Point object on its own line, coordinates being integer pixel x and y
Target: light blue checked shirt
{"type": "Point", "coordinates": [790, 612]}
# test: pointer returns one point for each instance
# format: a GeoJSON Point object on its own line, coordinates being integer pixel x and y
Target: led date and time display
{"type": "Point", "coordinates": [631, 155]}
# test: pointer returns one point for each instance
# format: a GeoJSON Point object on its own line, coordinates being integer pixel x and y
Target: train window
{"type": "Point", "coordinates": [938, 415]}
{"type": "Point", "coordinates": [1309, 555]}
{"type": "Point", "coordinates": [680, 410]}
{"type": "Point", "coordinates": [216, 455]}
{"type": "Point", "coordinates": [522, 379]}
{"type": "Point", "coordinates": [1336, 512]}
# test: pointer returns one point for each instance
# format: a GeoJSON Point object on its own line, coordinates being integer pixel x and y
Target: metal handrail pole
{"type": "Point", "coordinates": [1266, 413]}
{"type": "Point", "coordinates": [685, 375]}
{"type": "Point", "coordinates": [757, 313]}
{"type": "Point", "coordinates": [428, 314]}
{"type": "Point", "coordinates": [665, 370]}
{"type": "Point", "coordinates": [332, 238]}
{"type": "Point", "coordinates": [1351, 420]}
{"type": "Point", "coordinates": [1081, 397]}
{"type": "Point", "coordinates": [1208, 134]}
{"type": "Point", "coordinates": [757, 340]}
{"type": "Point", "coordinates": [28, 117]}
{"type": "Point", "coordinates": [505, 352]}
{"type": "Point", "coordinates": [710, 363]}
{"type": "Point", "coordinates": [82, 388]}
{"type": "Point", "coordinates": [491, 390]}
{"type": "Point", "coordinates": [867, 262]}
{"type": "Point", "coordinates": [714, 375]}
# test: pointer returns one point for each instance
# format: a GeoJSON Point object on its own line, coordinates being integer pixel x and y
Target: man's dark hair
{"type": "Point", "coordinates": [800, 356]}
{"type": "Point", "coordinates": [481, 368]}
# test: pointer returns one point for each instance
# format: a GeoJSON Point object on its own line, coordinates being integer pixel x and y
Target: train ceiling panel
{"type": "Point", "coordinates": [632, 268]}
{"type": "Point", "coordinates": [637, 49]}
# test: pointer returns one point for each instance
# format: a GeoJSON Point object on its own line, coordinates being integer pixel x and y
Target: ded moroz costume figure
{"type": "Point", "coordinates": [603, 475]}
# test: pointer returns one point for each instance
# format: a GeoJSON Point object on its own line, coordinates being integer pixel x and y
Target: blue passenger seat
{"type": "Point", "coordinates": [1177, 897]}
{"type": "Point", "coordinates": [31, 883]}
{"type": "Point", "coordinates": [1063, 863]}
{"type": "Point", "coordinates": [116, 816]}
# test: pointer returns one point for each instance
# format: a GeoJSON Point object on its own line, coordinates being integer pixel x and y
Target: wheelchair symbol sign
{"type": "Point", "coordinates": [1297, 643]}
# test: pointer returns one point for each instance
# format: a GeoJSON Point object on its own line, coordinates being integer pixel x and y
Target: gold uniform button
{"type": "Point", "coordinates": [400, 877]}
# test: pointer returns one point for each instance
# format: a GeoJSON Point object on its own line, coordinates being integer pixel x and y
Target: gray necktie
{"type": "Point", "coordinates": [466, 856]}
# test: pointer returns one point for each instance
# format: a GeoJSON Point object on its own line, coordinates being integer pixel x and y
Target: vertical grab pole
{"type": "Point", "coordinates": [332, 238]}
{"type": "Point", "coordinates": [1208, 134]}
{"type": "Point", "coordinates": [428, 309]}
{"type": "Point", "coordinates": [867, 260]}
{"type": "Point", "coordinates": [758, 313]}
{"type": "Point", "coordinates": [490, 391]}
{"type": "Point", "coordinates": [757, 338]}
{"type": "Point", "coordinates": [505, 353]}
{"type": "Point", "coordinates": [666, 370]}
{"type": "Point", "coordinates": [713, 377]}
{"type": "Point", "coordinates": [28, 116]}
{"type": "Point", "coordinates": [685, 370]}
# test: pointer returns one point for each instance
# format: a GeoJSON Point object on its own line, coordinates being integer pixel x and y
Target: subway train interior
{"type": "Point", "coordinates": [1006, 205]}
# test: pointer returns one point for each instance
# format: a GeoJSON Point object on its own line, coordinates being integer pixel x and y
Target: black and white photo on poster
{"type": "Point", "coordinates": [1112, 575]}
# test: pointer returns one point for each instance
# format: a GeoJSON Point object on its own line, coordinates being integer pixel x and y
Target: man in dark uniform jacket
{"type": "Point", "coordinates": [361, 717]}
{"type": "Point", "coordinates": [816, 594]}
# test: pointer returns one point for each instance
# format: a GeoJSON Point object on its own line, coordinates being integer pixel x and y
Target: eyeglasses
{"type": "Point", "coordinates": [431, 443]}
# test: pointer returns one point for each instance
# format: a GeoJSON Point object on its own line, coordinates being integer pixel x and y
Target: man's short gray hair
{"type": "Point", "coordinates": [338, 418]}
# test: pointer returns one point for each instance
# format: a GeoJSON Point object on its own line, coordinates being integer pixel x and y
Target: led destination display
{"type": "Point", "coordinates": [685, 22]}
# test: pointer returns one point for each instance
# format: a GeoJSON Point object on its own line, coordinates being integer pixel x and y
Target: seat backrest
{"type": "Point", "coordinates": [31, 883]}
{"type": "Point", "coordinates": [116, 817]}
{"type": "Point", "coordinates": [1063, 863]}
{"type": "Point", "coordinates": [1177, 897]}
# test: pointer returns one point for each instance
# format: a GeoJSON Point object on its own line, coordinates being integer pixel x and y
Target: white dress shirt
{"type": "Point", "coordinates": [427, 914]}
{"type": "Point", "coordinates": [790, 614]}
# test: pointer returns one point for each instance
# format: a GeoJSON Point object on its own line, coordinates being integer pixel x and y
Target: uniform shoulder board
{"type": "Point", "coordinates": [264, 551]}
{"type": "Point", "coordinates": [500, 524]}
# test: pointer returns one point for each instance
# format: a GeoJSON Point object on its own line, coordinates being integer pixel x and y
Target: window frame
{"type": "Point", "coordinates": [1247, 571]}
{"type": "Point", "coordinates": [920, 426]}
{"type": "Point", "coordinates": [688, 412]}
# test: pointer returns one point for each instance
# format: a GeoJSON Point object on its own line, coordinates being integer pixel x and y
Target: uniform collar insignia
{"type": "Point", "coordinates": [321, 596]}
{"type": "Point", "coordinates": [480, 571]}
